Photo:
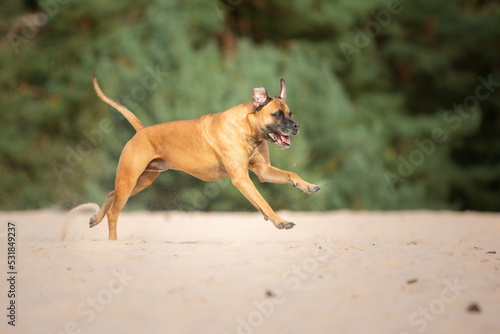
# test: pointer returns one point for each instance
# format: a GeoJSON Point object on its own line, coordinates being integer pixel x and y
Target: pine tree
{"type": "Point", "coordinates": [397, 103]}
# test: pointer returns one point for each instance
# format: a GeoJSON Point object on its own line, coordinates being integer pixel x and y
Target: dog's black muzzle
{"type": "Point", "coordinates": [294, 128]}
{"type": "Point", "coordinates": [279, 134]}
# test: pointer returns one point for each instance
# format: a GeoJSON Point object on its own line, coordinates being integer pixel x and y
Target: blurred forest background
{"type": "Point", "coordinates": [398, 101]}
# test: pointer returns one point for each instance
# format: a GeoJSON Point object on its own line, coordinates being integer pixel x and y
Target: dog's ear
{"type": "Point", "coordinates": [260, 97]}
{"type": "Point", "coordinates": [282, 93]}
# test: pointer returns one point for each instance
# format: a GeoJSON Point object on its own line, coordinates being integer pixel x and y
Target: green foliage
{"type": "Point", "coordinates": [382, 125]}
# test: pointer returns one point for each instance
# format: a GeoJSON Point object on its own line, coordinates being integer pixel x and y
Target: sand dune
{"type": "Point", "coordinates": [336, 272]}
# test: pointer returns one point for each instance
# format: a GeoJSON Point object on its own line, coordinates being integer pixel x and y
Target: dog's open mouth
{"type": "Point", "coordinates": [279, 140]}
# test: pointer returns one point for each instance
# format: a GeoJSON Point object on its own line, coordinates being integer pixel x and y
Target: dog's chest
{"type": "Point", "coordinates": [252, 153]}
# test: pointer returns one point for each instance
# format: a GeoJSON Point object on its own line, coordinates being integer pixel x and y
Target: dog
{"type": "Point", "coordinates": [210, 148]}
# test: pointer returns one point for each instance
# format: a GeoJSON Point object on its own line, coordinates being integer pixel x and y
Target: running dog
{"type": "Point", "coordinates": [210, 148]}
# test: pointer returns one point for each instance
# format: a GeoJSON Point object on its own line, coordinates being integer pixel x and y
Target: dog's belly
{"type": "Point", "coordinates": [203, 171]}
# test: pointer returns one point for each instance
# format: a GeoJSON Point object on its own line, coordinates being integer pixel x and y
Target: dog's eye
{"type": "Point", "coordinates": [278, 114]}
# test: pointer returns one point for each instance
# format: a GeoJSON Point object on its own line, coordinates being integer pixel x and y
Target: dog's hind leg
{"type": "Point", "coordinates": [144, 181]}
{"type": "Point", "coordinates": [98, 216]}
{"type": "Point", "coordinates": [125, 188]}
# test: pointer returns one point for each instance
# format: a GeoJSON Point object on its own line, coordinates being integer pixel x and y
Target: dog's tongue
{"type": "Point", "coordinates": [282, 139]}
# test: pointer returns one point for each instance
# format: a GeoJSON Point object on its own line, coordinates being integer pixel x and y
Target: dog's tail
{"type": "Point", "coordinates": [124, 111]}
{"type": "Point", "coordinates": [67, 221]}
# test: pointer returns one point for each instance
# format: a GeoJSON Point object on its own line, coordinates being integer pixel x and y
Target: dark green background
{"type": "Point", "coordinates": [393, 98]}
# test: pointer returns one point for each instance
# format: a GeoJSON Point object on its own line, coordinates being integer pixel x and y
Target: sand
{"type": "Point", "coordinates": [335, 272]}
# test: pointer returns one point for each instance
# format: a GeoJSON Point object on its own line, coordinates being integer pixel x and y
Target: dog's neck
{"type": "Point", "coordinates": [255, 136]}
{"type": "Point", "coordinates": [243, 117]}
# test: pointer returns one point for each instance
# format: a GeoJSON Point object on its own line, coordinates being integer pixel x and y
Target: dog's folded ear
{"type": "Point", "coordinates": [260, 97]}
{"type": "Point", "coordinates": [282, 93]}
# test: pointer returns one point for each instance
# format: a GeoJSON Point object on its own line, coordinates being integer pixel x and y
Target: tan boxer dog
{"type": "Point", "coordinates": [210, 148]}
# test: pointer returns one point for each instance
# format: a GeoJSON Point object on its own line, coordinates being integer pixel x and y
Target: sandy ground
{"type": "Point", "coordinates": [337, 272]}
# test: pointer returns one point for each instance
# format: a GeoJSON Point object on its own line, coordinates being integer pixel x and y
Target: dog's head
{"type": "Point", "coordinates": [273, 117]}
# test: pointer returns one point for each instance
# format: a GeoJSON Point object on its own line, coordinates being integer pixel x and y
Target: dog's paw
{"type": "Point", "coordinates": [93, 221]}
{"type": "Point", "coordinates": [308, 188]}
{"type": "Point", "coordinates": [285, 226]}
{"type": "Point", "coordinates": [312, 189]}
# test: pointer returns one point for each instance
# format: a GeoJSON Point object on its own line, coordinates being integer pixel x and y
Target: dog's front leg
{"type": "Point", "coordinates": [242, 181]}
{"type": "Point", "coordinates": [268, 173]}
